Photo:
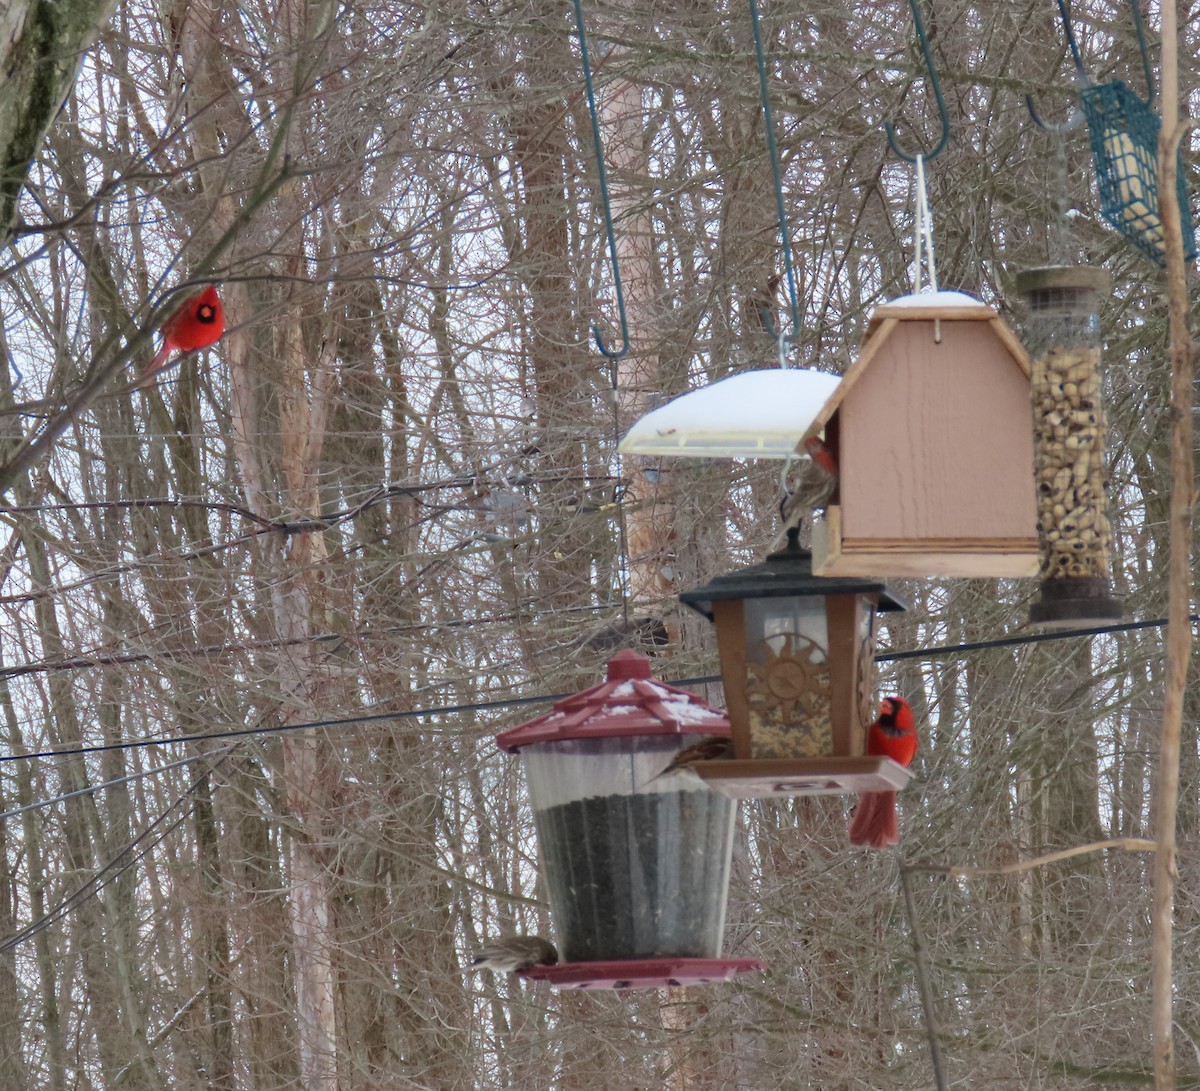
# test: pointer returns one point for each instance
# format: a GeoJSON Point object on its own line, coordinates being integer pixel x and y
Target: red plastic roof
{"type": "Point", "coordinates": [628, 702]}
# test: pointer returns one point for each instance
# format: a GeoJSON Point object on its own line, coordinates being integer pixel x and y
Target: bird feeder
{"type": "Point", "coordinates": [1063, 335]}
{"type": "Point", "coordinates": [931, 434]}
{"type": "Point", "coordinates": [636, 865]}
{"type": "Point", "coordinates": [798, 662]}
{"type": "Point", "coordinates": [1124, 134]}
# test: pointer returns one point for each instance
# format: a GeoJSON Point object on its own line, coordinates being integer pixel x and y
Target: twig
{"type": "Point", "coordinates": [1126, 844]}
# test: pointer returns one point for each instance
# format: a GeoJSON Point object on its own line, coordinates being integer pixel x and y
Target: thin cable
{"type": "Point", "coordinates": [38, 804]}
{"type": "Point", "coordinates": [547, 698]}
{"type": "Point", "coordinates": [115, 867]}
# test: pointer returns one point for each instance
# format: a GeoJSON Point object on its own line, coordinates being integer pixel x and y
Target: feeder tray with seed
{"type": "Point", "coordinates": [1075, 537]}
{"type": "Point", "coordinates": [931, 435]}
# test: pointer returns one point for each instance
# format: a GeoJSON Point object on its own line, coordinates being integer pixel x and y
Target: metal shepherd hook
{"type": "Point", "coordinates": [603, 178]}
{"type": "Point", "coordinates": [907, 156]}
{"type": "Point", "coordinates": [784, 239]}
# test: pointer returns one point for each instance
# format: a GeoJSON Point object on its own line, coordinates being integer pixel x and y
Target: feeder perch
{"type": "Point", "coordinates": [798, 663]}
{"type": "Point", "coordinates": [931, 433]}
{"type": "Point", "coordinates": [636, 865]}
{"type": "Point", "coordinates": [1063, 336]}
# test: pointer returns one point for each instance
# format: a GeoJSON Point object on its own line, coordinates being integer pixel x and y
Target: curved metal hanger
{"type": "Point", "coordinates": [893, 143]}
{"type": "Point", "coordinates": [784, 232]}
{"type": "Point", "coordinates": [612, 354]}
{"type": "Point", "coordinates": [1075, 118]}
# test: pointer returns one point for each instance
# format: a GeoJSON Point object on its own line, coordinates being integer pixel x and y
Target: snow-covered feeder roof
{"type": "Point", "coordinates": [754, 414]}
{"type": "Point", "coordinates": [628, 702]}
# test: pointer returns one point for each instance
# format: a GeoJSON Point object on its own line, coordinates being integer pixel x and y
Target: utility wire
{"type": "Point", "coordinates": [547, 698]}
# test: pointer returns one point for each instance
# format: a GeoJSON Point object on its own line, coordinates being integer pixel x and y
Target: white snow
{"type": "Point", "coordinates": [935, 299]}
{"type": "Point", "coordinates": [754, 414]}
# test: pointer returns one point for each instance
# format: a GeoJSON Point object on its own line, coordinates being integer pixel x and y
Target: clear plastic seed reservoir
{"type": "Point", "coordinates": [635, 858]}
{"type": "Point", "coordinates": [1062, 334]}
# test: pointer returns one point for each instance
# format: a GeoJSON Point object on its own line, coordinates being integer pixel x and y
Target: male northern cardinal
{"type": "Point", "coordinates": [892, 735]}
{"type": "Point", "coordinates": [515, 953]}
{"type": "Point", "coordinates": [195, 324]}
{"type": "Point", "coordinates": [712, 748]}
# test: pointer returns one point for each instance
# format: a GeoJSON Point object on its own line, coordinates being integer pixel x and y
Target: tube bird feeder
{"type": "Point", "coordinates": [1075, 538]}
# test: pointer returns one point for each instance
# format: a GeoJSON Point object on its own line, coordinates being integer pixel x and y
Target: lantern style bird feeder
{"type": "Point", "coordinates": [636, 864]}
{"type": "Point", "coordinates": [1063, 335]}
{"type": "Point", "coordinates": [798, 662]}
{"type": "Point", "coordinates": [931, 434]}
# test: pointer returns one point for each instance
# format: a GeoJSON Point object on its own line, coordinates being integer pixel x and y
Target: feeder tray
{"type": "Point", "coordinates": [1124, 138]}
{"type": "Point", "coordinates": [754, 414]}
{"type": "Point", "coordinates": [658, 973]}
{"type": "Point", "coordinates": [776, 778]}
{"type": "Point", "coordinates": [931, 432]}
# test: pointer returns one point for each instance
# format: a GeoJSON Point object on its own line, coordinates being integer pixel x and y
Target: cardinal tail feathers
{"type": "Point", "coordinates": [874, 822]}
{"type": "Point", "coordinates": [157, 364]}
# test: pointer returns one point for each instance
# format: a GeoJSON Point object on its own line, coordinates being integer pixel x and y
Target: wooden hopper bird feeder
{"type": "Point", "coordinates": [798, 663]}
{"type": "Point", "coordinates": [636, 865]}
{"type": "Point", "coordinates": [1063, 335]}
{"type": "Point", "coordinates": [931, 433]}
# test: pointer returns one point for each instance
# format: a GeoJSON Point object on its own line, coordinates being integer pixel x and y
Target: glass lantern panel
{"type": "Point", "coordinates": [769, 622]}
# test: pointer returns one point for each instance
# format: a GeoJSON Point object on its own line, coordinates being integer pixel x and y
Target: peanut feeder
{"type": "Point", "coordinates": [1074, 535]}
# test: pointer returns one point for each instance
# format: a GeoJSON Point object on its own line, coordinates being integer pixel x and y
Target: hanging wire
{"type": "Point", "coordinates": [603, 178]}
{"type": "Point", "coordinates": [1147, 71]}
{"type": "Point", "coordinates": [922, 230]}
{"type": "Point", "coordinates": [935, 83]}
{"type": "Point", "coordinates": [784, 233]}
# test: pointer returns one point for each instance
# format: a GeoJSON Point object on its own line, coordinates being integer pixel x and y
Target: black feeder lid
{"type": "Point", "coordinates": [785, 574]}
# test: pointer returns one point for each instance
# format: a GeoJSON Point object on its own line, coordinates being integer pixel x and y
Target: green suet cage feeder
{"type": "Point", "coordinates": [1124, 138]}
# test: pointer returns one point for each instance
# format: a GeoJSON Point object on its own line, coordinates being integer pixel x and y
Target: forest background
{"type": "Point", "coordinates": [390, 499]}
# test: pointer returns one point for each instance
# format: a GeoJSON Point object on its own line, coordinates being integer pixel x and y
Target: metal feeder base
{"type": "Point", "coordinates": [643, 973]}
{"type": "Point", "coordinates": [1075, 603]}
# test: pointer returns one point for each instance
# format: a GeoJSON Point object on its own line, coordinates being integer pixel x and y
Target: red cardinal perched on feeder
{"type": "Point", "coordinates": [892, 735]}
{"type": "Point", "coordinates": [196, 323]}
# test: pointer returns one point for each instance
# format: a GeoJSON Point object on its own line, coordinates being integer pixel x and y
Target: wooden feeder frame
{"type": "Point", "coordinates": [931, 431]}
{"type": "Point", "coordinates": [850, 660]}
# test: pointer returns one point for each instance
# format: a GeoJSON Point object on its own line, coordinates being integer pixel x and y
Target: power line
{"type": "Point", "coordinates": [546, 698]}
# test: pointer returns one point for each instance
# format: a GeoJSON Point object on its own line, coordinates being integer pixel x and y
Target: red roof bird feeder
{"type": "Point", "coordinates": [798, 663]}
{"type": "Point", "coordinates": [636, 864]}
{"type": "Point", "coordinates": [931, 434]}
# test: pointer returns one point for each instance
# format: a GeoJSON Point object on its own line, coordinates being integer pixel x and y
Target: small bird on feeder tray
{"type": "Point", "coordinates": [713, 748]}
{"type": "Point", "coordinates": [892, 735]}
{"type": "Point", "coordinates": [513, 954]}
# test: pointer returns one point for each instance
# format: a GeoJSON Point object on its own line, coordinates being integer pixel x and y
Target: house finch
{"type": "Point", "coordinates": [892, 735]}
{"type": "Point", "coordinates": [811, 485]}
{"type": "Point", "coordinates": [195, 324]}
{"type": "Point", "coordinates": [514, 954]}
{"type": "Point", "coordinates": [712, 748]}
